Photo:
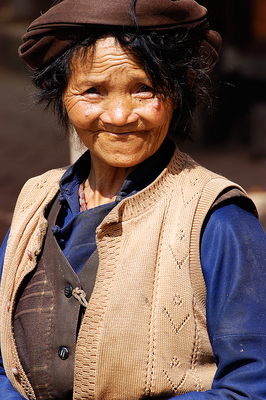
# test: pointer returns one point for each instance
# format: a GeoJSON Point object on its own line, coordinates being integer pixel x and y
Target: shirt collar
{"type": "Point", "coordinates": [137, 180]}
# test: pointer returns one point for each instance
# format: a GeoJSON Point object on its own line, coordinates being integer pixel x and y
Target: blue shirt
{"type": "Point", "coordinates": [233, 256]}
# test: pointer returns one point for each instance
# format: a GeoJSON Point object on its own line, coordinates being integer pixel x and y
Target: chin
{"type": "Point", "coordinates": [124, 164]}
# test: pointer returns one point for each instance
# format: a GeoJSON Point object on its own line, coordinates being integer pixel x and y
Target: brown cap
{"type": "Point", "coordinates": [54, 31]}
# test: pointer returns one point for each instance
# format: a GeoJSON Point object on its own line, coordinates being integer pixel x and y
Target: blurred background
{"type": "Point", "coordinates": [231, 140]}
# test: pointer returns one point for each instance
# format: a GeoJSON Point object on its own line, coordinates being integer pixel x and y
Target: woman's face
{"type": "Point", "coordinates": [111, 104]}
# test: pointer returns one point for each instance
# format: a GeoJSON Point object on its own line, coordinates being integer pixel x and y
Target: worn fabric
{"type": "Point", "coordinates": [23, 248]}
{"type": "Point", "coordinates": [66, 21]}
{"type": "Point", "coordinates": [241, 370]}
{"type": "Point", "coordinates": [172, 174]}
{"type": "Point", "coordinates": [47, 318]}
{"type": "Point", "coordinates": [227, 230]}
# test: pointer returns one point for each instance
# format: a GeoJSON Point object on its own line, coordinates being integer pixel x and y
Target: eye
{"type": "Point", "coordinates": [92, 90]}
{"type": "Point", "coordinates": [145, 92]}
{"type": "Point", "coordinates": [145, 88]}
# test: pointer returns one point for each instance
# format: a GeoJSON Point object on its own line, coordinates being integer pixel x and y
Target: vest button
{"type": "Point", "coordinates": [68, 291]}
{"type": "Point", "coordinates": [62, 244]}
{"type": "Point", "coordinates": [63, 353]}
{"type": "Point", "coordinates": [55, 229]}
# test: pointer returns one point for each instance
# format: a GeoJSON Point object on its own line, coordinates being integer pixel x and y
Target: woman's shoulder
{"type": "Point", "coordinates": [38, 188]}
{"type": "Point", "coordinates": [44, 181]}
{"type": "Point", "coordinates": [48, 177]}
{"type": "Point", "coordinates": [198, 181]}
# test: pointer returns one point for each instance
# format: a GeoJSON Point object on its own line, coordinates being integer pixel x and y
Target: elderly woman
{"type": "Point", "coordinates": [135, 273]}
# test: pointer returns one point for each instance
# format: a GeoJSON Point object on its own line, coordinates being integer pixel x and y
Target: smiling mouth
{"type": "Point", "coordinates": [124, 134]}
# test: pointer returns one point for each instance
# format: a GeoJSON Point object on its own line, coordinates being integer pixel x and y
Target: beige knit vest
{"type": "Point", "coordinates": [144, 331]}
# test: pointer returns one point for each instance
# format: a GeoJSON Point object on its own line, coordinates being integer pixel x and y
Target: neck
{"type": "Point", "coordinates": [103, 184]}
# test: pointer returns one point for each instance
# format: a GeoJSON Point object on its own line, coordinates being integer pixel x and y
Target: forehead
{"type": "Point", "coordinates": [105, 57]}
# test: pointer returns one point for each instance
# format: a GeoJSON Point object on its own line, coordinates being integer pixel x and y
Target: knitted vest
{"type": "Point", "coordinates": [144, 330]}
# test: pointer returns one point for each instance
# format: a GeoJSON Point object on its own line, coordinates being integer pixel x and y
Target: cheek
{"type": "Point", "coordinates": [159, 112]}
{"type": "Point", "coordinates": [81, 114]}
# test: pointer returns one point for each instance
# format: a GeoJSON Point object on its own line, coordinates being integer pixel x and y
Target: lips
{"type": "Point", "coordinates": [121, 134]}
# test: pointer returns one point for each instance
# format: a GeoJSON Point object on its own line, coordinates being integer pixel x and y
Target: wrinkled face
{"type": "Point", "coordinates": [111, 104]}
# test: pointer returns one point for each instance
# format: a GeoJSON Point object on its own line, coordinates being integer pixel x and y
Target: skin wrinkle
{"type": "Point", "coordinates": [112, 105]}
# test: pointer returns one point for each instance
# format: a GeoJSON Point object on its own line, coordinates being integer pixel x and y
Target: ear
{"type": "Point", "coordinates": [191, 77]}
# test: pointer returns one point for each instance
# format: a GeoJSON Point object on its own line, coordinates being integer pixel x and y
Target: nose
{"type": "Point", "coordinates": [119, 111]}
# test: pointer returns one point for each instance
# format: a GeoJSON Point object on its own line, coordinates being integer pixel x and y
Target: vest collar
{"type": "Point", "coordinates": [134, 206]}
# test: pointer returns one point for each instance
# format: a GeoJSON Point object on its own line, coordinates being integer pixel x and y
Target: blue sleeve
{"type": "Point", "coordinates": [233, 255]}
{"type": "Point", "coordinates": [3, 252]}
{"type": "Point", "coordinates": [7, 391]}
